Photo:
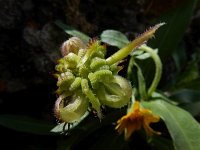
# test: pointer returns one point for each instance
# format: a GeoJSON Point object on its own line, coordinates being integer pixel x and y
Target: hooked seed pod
{"type": "Point", "coordinates": [71, 108]}
{"type": "Point", "coordinates": [116, 94]}
{"type": "Point", "coordinates": [84, 77]}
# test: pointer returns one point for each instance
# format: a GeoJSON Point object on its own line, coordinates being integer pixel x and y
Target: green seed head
{"type": "Point", "coordinates": [84, 77]}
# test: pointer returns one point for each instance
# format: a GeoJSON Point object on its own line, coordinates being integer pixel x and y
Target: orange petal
{"type": "Point", "coordinates": [132, 128]}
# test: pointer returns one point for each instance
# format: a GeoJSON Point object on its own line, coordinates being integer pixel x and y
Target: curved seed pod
{"type": "Point", "coordinates": [115, 94]}
{"type": "Point", "coordinates": [84, 75]}
{"type": "Point", "coordinates": [83, 71]}
{"type": "Point", "coordinates": [71, 60]}
{"type": "Point", "coordinates": [100, 76]}
{"type": "Point", "coordinates": [115, 68]}
{"type": "Point", "coordinates": [71, 109]}
{"type": "Point", "coordinates": [92, 98]}
{"type": "Point", "coordinates": [95, 49]}
{"type": "Point", "coordinates": [97, 62]}
{"type": "Point", "coordinates": [105, 67]}
{"type": "Point", "coordinates": [99, 54]}
{"type": "Point", "coordinates": [73, 45]}
{"type": "Point", "coordinates": [59, 67]}
{"type": "Point", "coordinates": [76, 84]}
{"type": "Point", "coordinates": [81, 52]}
{"type": "Point", "coordinates": [64, 80]}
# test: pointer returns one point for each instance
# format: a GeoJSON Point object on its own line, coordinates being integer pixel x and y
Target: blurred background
{"type": "Point", "coordinates": [30, 44]}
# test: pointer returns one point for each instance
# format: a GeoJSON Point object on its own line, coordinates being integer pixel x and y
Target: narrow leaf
{"type": "Point", "coordinates": [141, 83]}
{"type": "Point", "coordinates": [193, 84]}
{"type": "Point", "coordinates": [60, 127]}
{"type": "Point", "coordinates": [180, 57]}
{"type": "Point", "coordinates": [25, 124]}
{"type": "Point", "coordinates": [159, 142]}
{"type": "Point", "coordinates": [177, 22]}
{"type": "Point", "coordinates": [114, 38]}
{"type": "Point", "coordinates": [191, 73]}
{"type": "Point", "coordinates": [90, 126]}
{"type": "Point", "coordinates": [193, 108]}
{"type": "Point", "coordinates": [183, 128]}
{"type": "Point", "coordinates": [145, 55]}
{"type": "Point", "coordinates": [186, 96]}
{"type": "Point", "coordinates": [107, 140]}
{"type": "Point", "coordinates": [168, 37]}
{"type": "Point", "coordinates": [72, 31]}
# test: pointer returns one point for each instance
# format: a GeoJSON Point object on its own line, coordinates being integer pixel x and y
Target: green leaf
{"type": "Point", "coordinates": [193, 84]}
{"type": "Point", "coordinates": [188, 76]}
{"type": "Point", "coordinates": [141, 83]}
{"type": "Point", "coordinates": [114, 38]}
{"type": "Point", "coordinates": [191, 72]}
{"type": "Point", "coordinates": [25, 124]}
{"type": "Point", "coordinates": [159, 142]}
{"type": "Point", "coordinates": [161, 95]}
{"type": "Point", "coordinates": [89, 126]}
{"type": "Point", "coordinates": [180, 57]}
{"type": "Point", "coordinates": [177, 22]}
{"type": "Point", "coordinates": [183, 128]}
{"type": "Point", "coordinates": [186, 96]}
{"type": "Point", "coordinates": [107, 140]}
{"type": "Point", "coordinates": [145, 55]}
{"type": "Point", "coordinates": [193, 108]}
{"type": "Point", "coordinates": [72, 31]}
{"type": "Point", "coordinates": [168, 37]}
{"type": "Point", "coordinates": [59, 127]}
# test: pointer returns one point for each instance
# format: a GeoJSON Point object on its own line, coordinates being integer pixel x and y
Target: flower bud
{"type": "Point", "coordinates": [72, 45]}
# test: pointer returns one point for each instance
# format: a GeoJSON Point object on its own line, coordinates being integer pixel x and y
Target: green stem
{"type": "Point", "coordinates": [141, 83]}
{"type": "Point", "coordinates": [124, 52]}
{"type": "Point", "coordinates": [158, 65]}
{"type": "Point", "coordinates": [130, 66]}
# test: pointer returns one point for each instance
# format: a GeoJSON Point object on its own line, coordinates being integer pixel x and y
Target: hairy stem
{"type": "Point", "coordinates": [124, 52]}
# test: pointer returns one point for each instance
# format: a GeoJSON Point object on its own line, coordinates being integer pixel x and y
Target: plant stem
{"type": "Point", "coordinates": [158, 65]}
{"type": "Point", "coordinates": [124, 52]}
{"type": "Point", "coordinates": [141, 83]}
{"type": "Point", "coordinates": [130, 66]}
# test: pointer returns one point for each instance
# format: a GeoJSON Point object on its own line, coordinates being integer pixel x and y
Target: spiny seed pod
{"type": "Point", "coordinates": [86, 76]}
{"type": "Point", "coordinates": [87, 71]}
{"type": "Point", "coordinates": [72, 45]}
{"type": "Point", "coordinates": [72, 108]}
{"type": "Point", "coordinates": [116, 94]}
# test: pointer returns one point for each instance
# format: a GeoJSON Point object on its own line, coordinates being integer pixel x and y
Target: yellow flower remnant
{"type": "Point", "coordinates": [137, 118]}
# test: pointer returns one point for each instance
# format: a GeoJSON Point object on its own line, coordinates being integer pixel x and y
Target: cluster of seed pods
{"type": "Point", "coordinates": [86, 81]}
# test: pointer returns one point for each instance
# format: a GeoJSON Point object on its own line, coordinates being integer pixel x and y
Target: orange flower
{"type": "Point", "coordinates": [137, 118]}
